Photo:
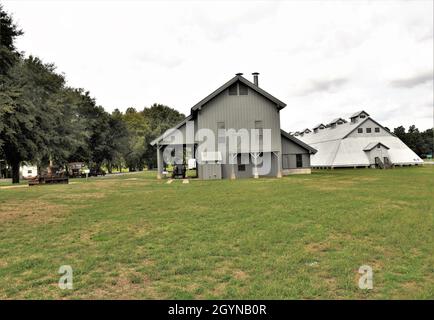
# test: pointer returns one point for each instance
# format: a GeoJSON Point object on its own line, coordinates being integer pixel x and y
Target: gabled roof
{"type": "Point", "coordinates": [359, 113]}
{"type": "Point", "coordinates": [372, 145]}
{"type": "Point", "coordinates": [338, 148]}
{"type": "Point", "coordinates": [337, 119]}
{"type": "Point", "coordinates": [298, 142]}
{"type": "Point", "coordinates": [349, 152]}
{"type": "Point", "coordinates": [319, 125]}
{"type": "Point", "coordinates": [168, 132]}
{"type": "Point", "coordinates": [280, 104]}
{"type": "Point", "coordinates": [339, 132]}
{"type": "Point", "coordinates": [238, 77]}
{"type": "Point", "coordinates": [307, 130]}
{"type": "Point", "coordinates": [369, 118]}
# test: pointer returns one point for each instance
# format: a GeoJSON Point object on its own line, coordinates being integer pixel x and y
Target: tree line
{"type": "Point", "coordinates": [420, 142]}
{"type": "Point", "coordinates": [43, 120]}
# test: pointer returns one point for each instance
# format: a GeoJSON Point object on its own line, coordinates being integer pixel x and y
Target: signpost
{"type": "Point", "coordinates": [86, 171]}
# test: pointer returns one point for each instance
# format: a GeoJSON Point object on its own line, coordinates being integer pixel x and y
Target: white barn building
{"type": "Point", "coordinates": [360, 142]}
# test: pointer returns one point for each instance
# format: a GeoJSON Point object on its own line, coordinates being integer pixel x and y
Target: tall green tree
{"type": "Point", "coordinates": [117, 140]}
{"type": "Point", "coordinates": [27, 116]}
{"type": "Point", "coordinates": [420, 142]}
{"type": "Point", "coordinates": [9, 31]}
{"type": "Point", "coordinates": [160, 119]}
{"type": "Point", "coordinates": [138, 129]}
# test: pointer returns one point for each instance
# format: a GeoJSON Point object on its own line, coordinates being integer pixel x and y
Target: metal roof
{"type": "Point", "coordinates": [337, 149]}
{"type": "Point", "coordinates": [298, 142]}
{"type": "Point", "coordinates": [358, 113]}
{"type": "Point", "coordinates": [168, 132]}
{"type": "Point", "coordinates": [338, 132]}
{"type": "Point", "coordinates": [337, 119]}
{"type": "Point", "coordinates": [372, 145]}
{"type": "Point", "coordinates": [319, 125]}
{"type": "Point", "coordinates": [240, 78]}
{"type": "Point", "coordinates": [350, 152]}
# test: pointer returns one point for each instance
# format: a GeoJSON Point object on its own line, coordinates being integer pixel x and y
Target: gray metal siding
{"type": "Point", "coordinates": [239, 112]}
{"type": "Point", "coordinates": [289, 151]}
{"type": "Point", "coordinates": [289, 147]}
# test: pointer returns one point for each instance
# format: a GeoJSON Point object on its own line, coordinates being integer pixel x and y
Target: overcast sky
{"type": "Point", "coordinates": [324, 59]}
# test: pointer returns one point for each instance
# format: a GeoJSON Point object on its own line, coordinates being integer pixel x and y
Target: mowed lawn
{"type": "Point", "coordinates": [299, 237]}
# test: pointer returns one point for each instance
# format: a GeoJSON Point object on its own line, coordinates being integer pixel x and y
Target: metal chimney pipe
{"type": "Point", "coordinates": [255, 78]}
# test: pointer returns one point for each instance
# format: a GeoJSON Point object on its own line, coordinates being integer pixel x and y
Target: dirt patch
{"type": "Point", "coordinates": [3, 263]}
{"type": "Point", "coordinates": [128, 284]}
{"type": "Point", "coordinates": [317, 247]}
{"type": "Point", "coordinates": [219, 289]}
{"type": "Point", "coordinates": [226, 268]}
{"type": "Point", "coordinates": [333, 242]}
{"type": "Point", "coordinates": [34, 212]}
{"type": "Point", "coordinates": [240, 275]}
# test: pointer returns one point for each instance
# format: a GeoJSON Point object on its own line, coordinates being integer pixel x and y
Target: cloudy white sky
{"type": "Point", "coordinates": [324, 59]}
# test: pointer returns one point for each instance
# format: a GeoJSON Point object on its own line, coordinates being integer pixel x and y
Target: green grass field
{"type": "Point", "coordinates": [299, 237]}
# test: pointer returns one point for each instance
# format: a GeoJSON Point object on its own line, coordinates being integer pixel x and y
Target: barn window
{"type": "Point", "coordinates": [362, 116]}
{"type": "Point", "coordinates": [360, 130]}
{"type": "Point", "coordinates": [243, 89]}
{"type": "Point", "coordinates": [299, 160]}
{"type": "Point", "coordinates": [377, 129]}
{"type": "Point", "coordinates": [353, 120]}
{"type": "Point", "coordinates": [368, 130]}
{"type": "Point", "coordinates": [233, 90]}
{"type": "Point", "coordinates": [29, 171]}
{"type": "Point", "coordinates": [378, 146]}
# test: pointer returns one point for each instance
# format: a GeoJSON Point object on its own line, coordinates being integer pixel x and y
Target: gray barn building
{"type": "Point", "coordinates": [238, 104]}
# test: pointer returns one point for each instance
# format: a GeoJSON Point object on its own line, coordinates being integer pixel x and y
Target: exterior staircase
{"type": "Point", "coordinates": [379, 163]}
